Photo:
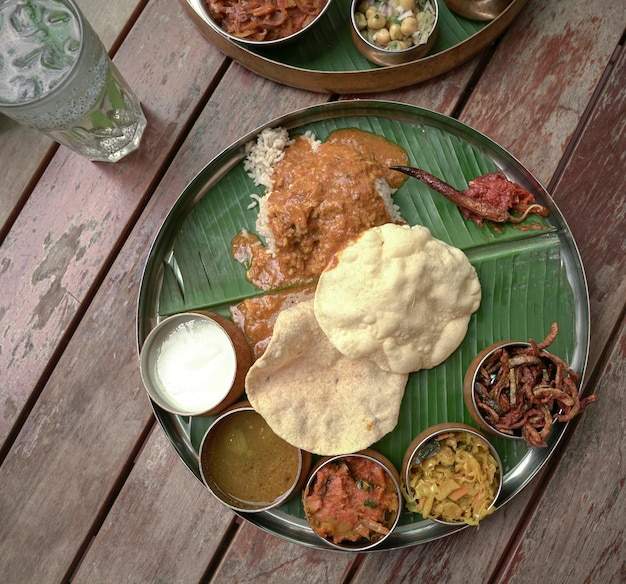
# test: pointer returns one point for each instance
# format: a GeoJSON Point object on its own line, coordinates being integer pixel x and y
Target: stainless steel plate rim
{"type": "Point", "coordinates": [276, 521]}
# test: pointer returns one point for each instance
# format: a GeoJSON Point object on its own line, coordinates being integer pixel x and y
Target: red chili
{"type": "Point", "coordinates": [489, 197]}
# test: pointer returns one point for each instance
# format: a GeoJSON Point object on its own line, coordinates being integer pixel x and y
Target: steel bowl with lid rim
{"type": "Point", "coordinates": [257, 44]}
{"type": "Point", "coordinates": [390, 471]}
{"type": "Point", "coordinates": [383, 56]}
{"type": "Point", "coordinates": [419, 449]}
{"type": "Point", "coordinates": [253, 454]}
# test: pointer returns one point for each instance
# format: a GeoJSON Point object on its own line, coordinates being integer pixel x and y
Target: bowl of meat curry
{"type": "Point", "coordinates": [353, 502]}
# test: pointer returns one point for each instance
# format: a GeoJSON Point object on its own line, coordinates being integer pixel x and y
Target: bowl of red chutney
{"type": "Point", "coordinates": [353, 502]}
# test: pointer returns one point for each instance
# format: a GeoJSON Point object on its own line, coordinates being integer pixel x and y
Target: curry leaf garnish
{"type": "Point", "coordinates": [429, 449]}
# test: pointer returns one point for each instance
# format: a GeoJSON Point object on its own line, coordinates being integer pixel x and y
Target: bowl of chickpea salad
{"type": "Point", "coordinates": [392, 32]}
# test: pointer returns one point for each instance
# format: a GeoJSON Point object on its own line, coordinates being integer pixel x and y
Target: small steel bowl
{"type": "Point", "coordinates": [422, 440]}
{"type": "Point", "coordinates": [373, 456]}
{"type": "Point", "coordinates": [385, 57]}
{"type": "Point", "coordinates": [222, 390]}
{"type": "Point", "coordinates": [469, 393]}
{"type": "Point", "coordinates": [215, 24]}
{"type": "Point", "coordinates": [228, 455]}
{"type": "Point", "coordinates": [478, 9]}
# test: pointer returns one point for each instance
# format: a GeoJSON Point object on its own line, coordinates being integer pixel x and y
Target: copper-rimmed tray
{"type": "Point", "coordinates": [325, 59]}
{"type": "Point", "coordinates": [529, 279]}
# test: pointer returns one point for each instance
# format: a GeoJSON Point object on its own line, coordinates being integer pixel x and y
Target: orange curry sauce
{"type": "Point", "coordinates": [256, 316]}
{"type": "Point", "coordinates": [320, 200]}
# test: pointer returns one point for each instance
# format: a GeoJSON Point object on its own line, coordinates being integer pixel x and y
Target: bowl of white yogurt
{"type": "Point", "coordinates": [195, 363]}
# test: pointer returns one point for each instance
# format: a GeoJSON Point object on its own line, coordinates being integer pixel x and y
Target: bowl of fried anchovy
{"type": "Point", "coordinates": [517, 389]}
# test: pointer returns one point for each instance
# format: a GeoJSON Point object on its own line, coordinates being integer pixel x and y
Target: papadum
{"type": "Point", "coordinates": [399, 297]}
{"type": "Point", "coordinates": [314, 397]}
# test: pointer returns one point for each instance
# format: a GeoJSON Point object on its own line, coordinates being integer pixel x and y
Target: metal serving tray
{"type": "Point", "coordinates": [529, 279]}
{"type": "Point", "coordinates": [326, 60]}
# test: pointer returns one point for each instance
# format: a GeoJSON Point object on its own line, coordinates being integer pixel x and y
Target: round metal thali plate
{"type": "Point", "coordinates": [326, 60]}
{"type": "Point", "coordinates": [529, 279]}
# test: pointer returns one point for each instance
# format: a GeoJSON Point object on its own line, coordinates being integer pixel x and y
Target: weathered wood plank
{"type": "Point", "coordinates": [31, 148]}
{"type": "Point", "coordinates": [67, 460]}
{"type": "Point", "coordinates": [259, 557]}
{"type": "Point", "coordinates": [441, 94]}
{"type": "Point", "coordinates": [111, 19]}
{"type": "Point", "coordinates": [147, 545]}
{"type": "Point", "coordinates": [534, 92]}
{"type": "Point", "coordinates": [95, 404]}
{"type": "Point", "coordinates": [584, 493]}
{"type": "Point", "coordinates": [222, 123]}
{"type": "Point", "coordinates": [78, 210]}
{"type": "Point", "coordinates": [590, 192]}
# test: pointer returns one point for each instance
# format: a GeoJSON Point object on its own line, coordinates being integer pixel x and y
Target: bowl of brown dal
{"type": "Point", "coordinates": [246, 465]}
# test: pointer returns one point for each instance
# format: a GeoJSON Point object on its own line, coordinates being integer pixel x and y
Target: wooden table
{"type": "Point", "coordinates": [90, 488]}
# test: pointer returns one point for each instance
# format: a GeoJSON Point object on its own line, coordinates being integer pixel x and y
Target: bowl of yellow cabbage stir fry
{"type": "Point", "coordinates": [452, 474]}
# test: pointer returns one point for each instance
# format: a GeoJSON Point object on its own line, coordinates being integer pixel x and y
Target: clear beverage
{"type": "Point", "coordinates": [56, 77]}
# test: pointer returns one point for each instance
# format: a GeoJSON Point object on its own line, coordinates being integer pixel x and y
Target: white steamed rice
{"type": "Point", "coordinates": [262, 155]}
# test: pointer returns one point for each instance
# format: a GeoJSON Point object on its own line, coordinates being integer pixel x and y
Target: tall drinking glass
{"type": "Point", "coordinates": [56, 77]}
